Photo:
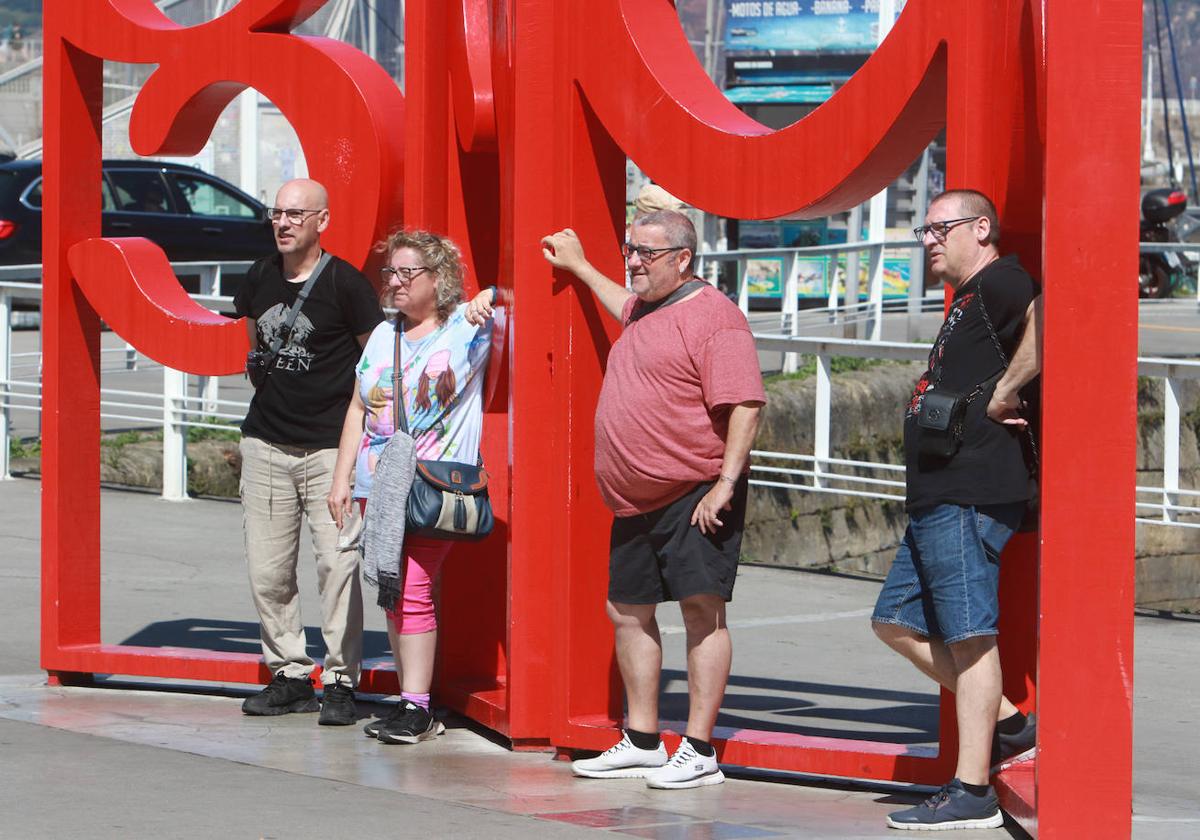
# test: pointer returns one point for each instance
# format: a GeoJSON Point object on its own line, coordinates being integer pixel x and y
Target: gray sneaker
{"type": "Point", "coordinates": [951, 807]}
{"type": "Point", "coordinates": [1008, 750]}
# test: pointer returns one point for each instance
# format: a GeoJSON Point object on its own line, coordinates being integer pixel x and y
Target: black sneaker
{"type": "Point", "coordinates": [283, 695]}
{"type": "Point", "coordinates": [393, 714]}
{"type": "Point", "coordinates": [951, 807]}
{"type": "Point", "coordinates": [1008, 750]}
{"type": "Point", "coordinates": [411, 726]}
{"type": "Point", "coordinates": [337, 705]}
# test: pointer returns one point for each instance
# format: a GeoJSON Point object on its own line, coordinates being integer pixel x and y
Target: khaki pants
{"type": "Point", "coordinates": [279, 485]}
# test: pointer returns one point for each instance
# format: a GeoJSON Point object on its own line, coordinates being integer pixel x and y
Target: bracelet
{"type": "Point", "coordinates": [733, 481]}
{"type": "Point", "coordinates": [495, 293]}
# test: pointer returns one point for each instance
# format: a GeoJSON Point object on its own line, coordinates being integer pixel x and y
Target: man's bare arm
{"type": "Point", "coordinates": [564, 250]}
{"type": "Point", "coordinates": [743, 426]}
{"type": "Point", "coordinates": [1025, 364]}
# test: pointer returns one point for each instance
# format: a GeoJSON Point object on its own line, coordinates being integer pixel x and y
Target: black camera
{"type": "Point", "coordinates": [258, 365]}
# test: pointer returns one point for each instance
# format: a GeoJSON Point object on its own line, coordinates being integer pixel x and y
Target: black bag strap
{"type": "Point", "coordinates": [1033, 447]}
{"type": "Point", "coordinates": [300, 298]}
{"type": "Point", "coordinates": [679, 294]}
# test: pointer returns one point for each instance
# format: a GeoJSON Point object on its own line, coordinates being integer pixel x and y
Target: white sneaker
{"type": "Point", "coordinates": [621, 761]}
{"type": "Point", "coordinates": [686, 769]}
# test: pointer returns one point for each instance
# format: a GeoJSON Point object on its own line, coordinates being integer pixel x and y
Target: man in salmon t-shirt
{"type": "Point", "coordinates": [677, 416]}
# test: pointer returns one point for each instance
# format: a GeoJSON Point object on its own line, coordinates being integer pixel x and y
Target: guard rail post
{"type": "Point", "coordinates": [791, 307]}
{"type": "Point", "coordinates": [742, 286]}
{"type": "Point", "coordinates": [174, 471]}
{"type": "Point", "coordinates": [822, 408]}
{"type": "Point", "coordinates": [875, 293]}
{"type": "Point", "coordinates": [850, 299]}
{"type": "Point", "coordinates": [1171, 430]}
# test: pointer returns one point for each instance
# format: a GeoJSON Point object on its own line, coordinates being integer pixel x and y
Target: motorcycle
{"type": "Point", "coordinates": [1160, 275]}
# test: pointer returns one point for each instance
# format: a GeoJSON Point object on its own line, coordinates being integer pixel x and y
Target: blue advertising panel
{"type": "Point", "coordinates": [801, 25]}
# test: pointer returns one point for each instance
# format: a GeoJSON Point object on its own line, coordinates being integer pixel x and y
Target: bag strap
{"type": "Point", "coordinates": [398, 413]}
{"type": "Point", "coordinates": [1033, 447]}
{"type": "Point", "coordinates": [300, 298]}
{"type": "Point", "coordinates": [675, 296]}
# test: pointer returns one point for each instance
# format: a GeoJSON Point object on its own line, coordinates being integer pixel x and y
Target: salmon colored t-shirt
{"type": "Point", "coordinates": [671, 380]}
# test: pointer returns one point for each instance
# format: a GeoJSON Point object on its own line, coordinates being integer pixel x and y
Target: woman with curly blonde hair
{"type": "Point", "coordinates": [444, 347]}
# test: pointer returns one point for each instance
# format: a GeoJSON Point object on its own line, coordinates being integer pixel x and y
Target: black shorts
{"type": "Point", "coordinates": [661, 556]}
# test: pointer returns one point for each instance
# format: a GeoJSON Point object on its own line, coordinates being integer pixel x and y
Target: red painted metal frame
{"type": "Point", "coordinates": [516, 121]}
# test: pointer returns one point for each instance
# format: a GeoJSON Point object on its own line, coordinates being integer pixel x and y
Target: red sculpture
{"type": "Point", "coordinates": [516, 120]}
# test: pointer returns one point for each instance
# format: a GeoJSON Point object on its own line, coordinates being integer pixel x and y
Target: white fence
{"type": "Point", "coordinates": [171, 407]}
{"type": "Point", "coordinates": [818, 472]}
{"type": "Point", "coordinates": [176, 410]}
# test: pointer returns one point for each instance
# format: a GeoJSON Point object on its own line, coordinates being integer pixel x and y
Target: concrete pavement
{"type": "Point", "coordinates": [133, 759]}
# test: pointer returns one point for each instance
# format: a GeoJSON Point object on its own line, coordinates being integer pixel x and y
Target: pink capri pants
{"type": "Point", "coordinates": [422, 569]}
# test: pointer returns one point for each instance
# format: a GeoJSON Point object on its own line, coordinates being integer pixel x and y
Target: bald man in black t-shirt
{"type": "Point", "coordinates": [289, 446]}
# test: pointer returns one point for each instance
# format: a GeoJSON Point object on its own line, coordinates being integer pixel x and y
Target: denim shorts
{"type": "Point", "coordinates": [945, 579]}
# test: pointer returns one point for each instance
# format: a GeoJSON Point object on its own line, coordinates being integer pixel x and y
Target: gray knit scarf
{"type": "Point", "coordinates": [382, 543]}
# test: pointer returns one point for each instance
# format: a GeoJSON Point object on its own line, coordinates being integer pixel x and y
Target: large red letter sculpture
{"type": "Point", "coordinates": [517, 118]}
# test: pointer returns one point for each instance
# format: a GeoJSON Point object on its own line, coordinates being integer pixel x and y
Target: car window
{"type": "Point", "coordinates": [205, 198]}
{"type": "Point", "coordinates": [33, 197]}
{"type": "Point", "coordinates": [139, 191]}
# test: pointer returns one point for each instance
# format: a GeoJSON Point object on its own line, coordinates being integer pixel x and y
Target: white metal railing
{"type": "Point", "coordinates": [175, 410]}
{"type": "Point", "coordinates": [823, 473]}
{"type": "Point", "coordinates": [851, 314]}
{"type": "Point", "coordinates": [172, 407]}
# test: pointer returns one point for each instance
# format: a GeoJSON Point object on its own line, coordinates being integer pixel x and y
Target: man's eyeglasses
{"type": "Point", "coordinates": [940, 229]}
{"type": "Point", "coordinates": [406, 272]}
{"type": "Point", "coordinates": [645, 253]}
{"type": "Point", "coordinates": [294, 214]}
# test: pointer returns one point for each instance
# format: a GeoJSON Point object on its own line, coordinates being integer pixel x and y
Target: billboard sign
{"type": "Point", "coordinates": [801, 25]}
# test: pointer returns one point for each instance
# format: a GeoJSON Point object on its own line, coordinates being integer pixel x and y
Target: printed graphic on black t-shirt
{"type": "Point", "coordinates": [991, 466]}
{"type": "Point", "coordinates": [938, 353]}
{"type": "Point", "coordinates": [303, 401]}
{"type": "Point", "coordinates": [293, 352]}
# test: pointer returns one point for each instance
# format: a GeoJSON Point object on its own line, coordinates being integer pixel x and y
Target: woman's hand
{"type": "Point", "coordinates": [339, 501]}
{"type": "Point", "coordinates": [479, 310]}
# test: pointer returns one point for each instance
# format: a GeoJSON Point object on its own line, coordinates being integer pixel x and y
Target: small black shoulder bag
{"type": "Point", "coordinates": [943, 412]}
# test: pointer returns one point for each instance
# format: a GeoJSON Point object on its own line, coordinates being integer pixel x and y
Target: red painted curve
{"type": "Point", "coordinates": [131, 286]}
{"type": "Point", "coordinates": [642, 79]}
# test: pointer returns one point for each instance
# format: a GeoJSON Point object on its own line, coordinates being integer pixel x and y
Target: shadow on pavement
{"type": "Point", "coordinates": [803, 708]}
{"type": "Point", "coordinates": [238, 637]}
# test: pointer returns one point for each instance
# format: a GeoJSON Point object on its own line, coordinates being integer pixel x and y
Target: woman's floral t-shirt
{"type": "Point", "coordinates": [444, 368]}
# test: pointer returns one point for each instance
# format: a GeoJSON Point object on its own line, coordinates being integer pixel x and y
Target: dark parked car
{"type": "Point", "coordinates": [190, 214]}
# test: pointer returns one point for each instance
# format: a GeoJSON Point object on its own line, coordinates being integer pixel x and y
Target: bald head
{"type": "Point", "coordinates": [304, 215]}
{"type": "Point", "coordinates": [302, 192]}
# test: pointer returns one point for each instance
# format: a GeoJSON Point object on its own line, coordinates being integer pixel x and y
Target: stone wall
{"type": "Point", "coordinates": [808, 530]}
{"type": "Point", "coordinates": [853, 535]}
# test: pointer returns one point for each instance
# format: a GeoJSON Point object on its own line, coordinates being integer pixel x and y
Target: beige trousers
{"type": "Point", "coordinates": [279, 486]}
